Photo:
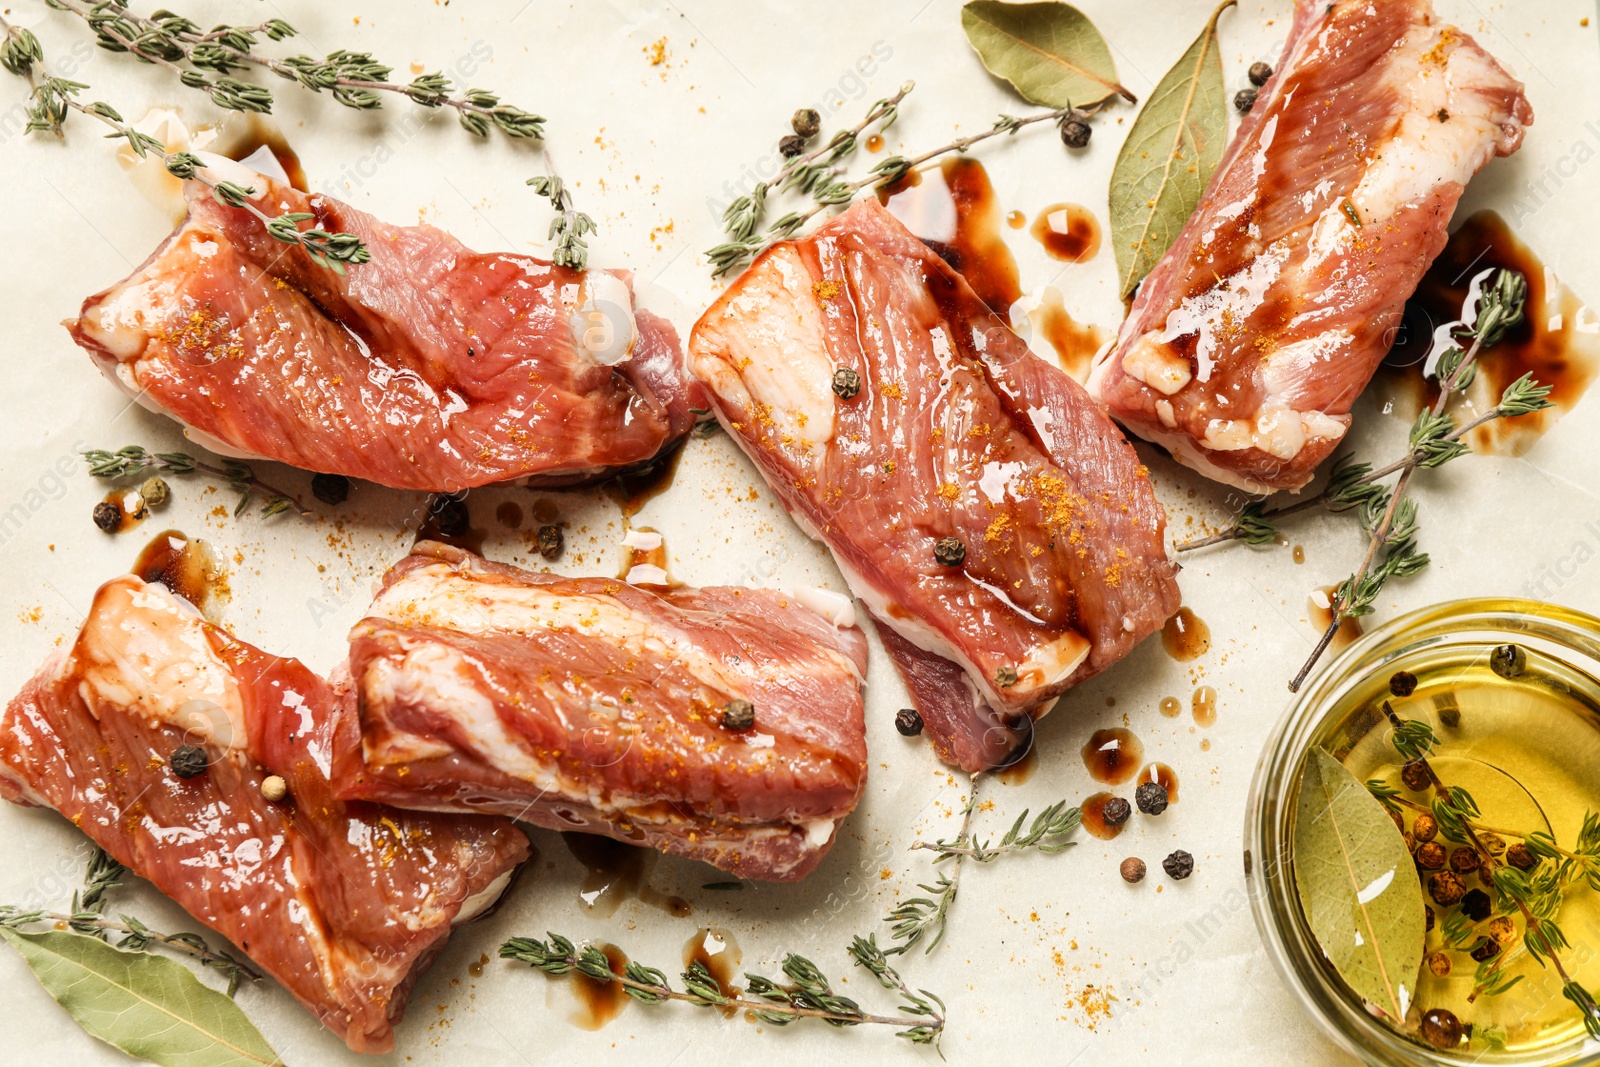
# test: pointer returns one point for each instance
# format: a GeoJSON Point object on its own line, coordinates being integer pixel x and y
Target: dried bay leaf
{"type": "Point", "coordinates": [1358, 885]}
{"type": "Point", "coordinates": [151, 1007]}
{"type": "Point", "coordinates": [1169, 156]}
{"type": "Point", "coordinates": [1050, 52]}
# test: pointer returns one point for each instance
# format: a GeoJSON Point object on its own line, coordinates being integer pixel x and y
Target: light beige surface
{"type": "Point", "coordinates": [1048, 957]}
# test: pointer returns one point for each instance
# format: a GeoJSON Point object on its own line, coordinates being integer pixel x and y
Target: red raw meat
{"type": "Point", "coordinates": [431, 367]}
{"type": "Point", "coordinates": [957, 431]}
{"type": "Point", "coordinates": [343, 903]}
{"type": "Point", "coordinates": [590, 704]}
{"type": "Point", "coordinates": [1250, 340]}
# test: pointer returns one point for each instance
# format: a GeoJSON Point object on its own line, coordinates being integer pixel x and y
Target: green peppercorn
{"type": "Point", "coordinates": [1508, 661]}
{"type": "Point", "coordinates": [551, 542]}
{"type": "Point", "coordinates": [791, 145]}
{"type": "Point", "coordinates": [738, 715]}
{"type": "Point", "coordinates": [154, 492]}
{"type": "Point", "coordinates": [846, 383]}
{"type": "Point", "coordinates": [908, 721]}
{"type": "Point", "coordinates": [1005, 677]}
{"type": "Point", "coordinates": [1402, 683]}
{"type": "Point", "coordinates": [187, 761]}
{"type": "Point", "coordinates": [1244, 100]}
{"type": "Point", "coordinates": [1260, 73]}
{"type": "Point", "coordinates": [806, 122]}
{"type": "Point", "coordinates": [951, 552]}
{"type": "Point", "coordinates": [108, 516]}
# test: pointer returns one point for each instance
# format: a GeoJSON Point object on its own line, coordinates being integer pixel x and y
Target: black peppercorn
{"type": "Point", "coordinates": [331, 489]}
{"type": "Point", "coordinates": [950, 551]}
{"type": "Point", "coordinates": [1416, 777]}
{"type": "Point", "coordinates": [1260, 73]}
{"type": "Point", "coordinates": [108, 516]}
{"type": "Point", "coordinates": [1402, 683]}
{"type": "Point", "coordinates": [1520, 858]}
{"type": "Point", "coordinates": [806, 122]}
{"type": "Point", "coordinates": [908, 721]}
{"type": "Point", "coordinates": [1432, 856]}
{"type": "Point", "coordinates": [1005, 677]}
{"type": "Point", "coordinates": [450, 516]}
{"type": "Point", "coordinates": [1151, 798]}
{"type": "Point", "coordinates": [1428, 919]}
{"type": "Point", "coordinates": [1075, 133]}
{"type": "Point", "coordinates": [1132, 869]}
{"type": "Point", "coordinates": [738, 715]}
{"type": "Point", "coordinates": [1464, 860]}
{"type": "Point", "coordinates": [1487, 949]}
{"type": "Point", "coordinates": [1244, 100]}
{"type": "Point", "coordinates": [1476, 905]}
{"type": "Point", "coordinates": [1441, 1029]}
{"type": "Point", "coordinates": [1116, 811]}
{"type": "Point", "coordinates": [1178, 866]}
{"type": "Point", "coordinates": [551, 542]}
{"type": "Point", "coordinates": [846, 383]}
{"type": "Point", "coordinates": [791, 145]}
{"type": "Point", "coordinates": [1446, 888]}
{"type": "Point", "coordinates": [1508, 661]}
{"type": "Point", "coordinates": [188, 761]}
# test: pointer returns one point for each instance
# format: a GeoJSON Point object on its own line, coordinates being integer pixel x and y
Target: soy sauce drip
{"type": "Point", "coordinates": [1185, 636]}
{"type": "Point", "coordinates": [716, 950]}
{"type": "Point", "coordinates": [1094, 817]}
{"type": "Point", "coordinates": [600, 1001]}
{"type": "Point", "coordinates": [961, 222]}
{"type": "Point", "coordinates": [617, 870]}
{"type": "Point", "coordinates": [1112, 755]}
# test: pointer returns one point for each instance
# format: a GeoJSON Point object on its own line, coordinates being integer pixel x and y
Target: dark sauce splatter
{"type": "Point", "coordinates": [1112, 755]}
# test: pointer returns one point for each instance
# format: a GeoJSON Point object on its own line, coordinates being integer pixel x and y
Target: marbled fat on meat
{"type": "Point", "coordinates": [589, 704]}
{"type": "Point", "coordinates": [957, 431]}
{"type": "Point", "coordinates": [345, 904]}
{"type": "Point", "coordinates": [1250, 340]}
{"type": "Point", "coordinates": [430, 367]}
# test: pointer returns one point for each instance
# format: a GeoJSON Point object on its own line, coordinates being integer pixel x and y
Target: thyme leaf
{"type": "Point", "coordinates": [807, 993]}
{"type": "Point", "coordinates": [132, 460]}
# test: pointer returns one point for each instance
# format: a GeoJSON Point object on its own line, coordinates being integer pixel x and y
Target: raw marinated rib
{"type": "Point", "coordinates": [1250, 340]}
{"type": "Point", "coordinates": [431, 367]}
{"type": "Point", "coordinates": [958, 431]}
{"type": "Point", "coordinates": [589, 704]}
{"type": "Point", "coordinates": [343, 903]}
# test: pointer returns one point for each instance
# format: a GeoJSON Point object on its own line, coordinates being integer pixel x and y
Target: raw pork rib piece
{"type": "Point", "coordinates": [343, 903]}
{"type": "Point", "coordinates": [590, 704]}
{"type": "Point", "coordinates": [1250, 340]}
{"type": "Point", "coordinates": [957, 431]}
{"type": "Point", "coordinates": [431, 367]}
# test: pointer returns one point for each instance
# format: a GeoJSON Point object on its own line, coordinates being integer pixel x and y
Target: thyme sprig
{"type": "Point", "coordinates": [86, 916]}
{"type": "Point", "coordinates": [1388, 518]}
{"type": "Point", "coordinates": [1536, 894]}
{"type": "Point", "coordinates": [569, 227]}
{"type": "Point", "coordinates": [917, 918]}
{"type": "Point", "coordinates": [53, 98]}
{"type": "Point", "coordinates": [354, 79]}
{"type": "Point", "coordinates": [806, 995]}
{"type": "Point", "coordinates": [132, 460]}
{"type": "Point", "coordinates": [828, 190]}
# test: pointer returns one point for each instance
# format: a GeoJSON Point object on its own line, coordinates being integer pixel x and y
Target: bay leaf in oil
{"type": "Point", "coordinates": [150, 1007]}
{"type": "Point", "coordinates": [1358, 885]}
{"type": "Point", "coordinates": [1169, 156]}
{"type": "Point", "coordinates": [1050, 52]}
